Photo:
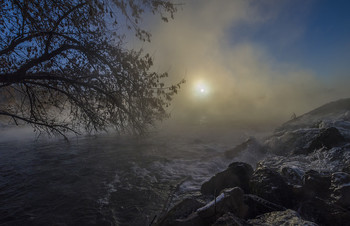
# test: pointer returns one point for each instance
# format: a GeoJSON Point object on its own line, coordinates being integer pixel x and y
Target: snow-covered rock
{"type": "Point", "coordinates": [302, 177]}
{"type": "Point", "coordinates": [286, 218]}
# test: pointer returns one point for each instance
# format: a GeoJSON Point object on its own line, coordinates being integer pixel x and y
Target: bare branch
{"type": "Point", "coordinates": [64, 68]}
{"type": "Point", "coordinates": [54, 127]}
{"type": "Point", "coordinates": [65, 15]}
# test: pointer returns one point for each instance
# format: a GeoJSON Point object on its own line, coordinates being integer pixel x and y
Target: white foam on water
{"type": "Point", "coordinates": [110, 188]}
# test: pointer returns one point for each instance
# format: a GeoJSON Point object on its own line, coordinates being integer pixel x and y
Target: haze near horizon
{"type": "Point", "coordinates": [253, 62]}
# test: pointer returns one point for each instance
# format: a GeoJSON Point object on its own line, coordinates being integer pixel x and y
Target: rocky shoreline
{"type": "Point", "coordinates": [303, 178]}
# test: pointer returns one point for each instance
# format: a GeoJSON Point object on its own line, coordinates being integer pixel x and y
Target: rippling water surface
{"type": "Point", "coordinates": [104, 180]}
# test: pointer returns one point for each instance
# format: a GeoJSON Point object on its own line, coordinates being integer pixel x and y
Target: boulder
{"type": "Point", "coordinates": [287, 217]}
{"type": "Point", "coordinates": [316, 184]}
{"type": "Point", "coordinates": [192, 220]}
{"type": "Point", "coordinates": [230, 200]}
{"type": "Point", "coordinates": [236, 175]}
{"type": "Point", "coordinates": [180, 211]}
{"type": "Point", "coordinates": [258, 206]}
{"type": "Point", "coordinates": [327, 138]}
{"type": "Point", "coordinates": [286, 142]}
{"type": "Point", "coordinates": [346, 168]}
{"type": "Point", "coordinates": [340, 189]}
{"type": "Point", "coordinates": [231, 220]}
{"type": "Point", "coordinates": [324, 212]}
{"type": "Point", "coordinates": [249, 145]}
{"type": "Point", "coordinates": [293, 175]}
{"type": "Point", "coordinates": [270, 185]}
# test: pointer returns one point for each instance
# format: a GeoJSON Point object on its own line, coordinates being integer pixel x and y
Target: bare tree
{"type": "Point", "coordinates": [64, 67]}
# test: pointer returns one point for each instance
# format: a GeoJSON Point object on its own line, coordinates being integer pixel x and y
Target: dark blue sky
{"type": "Point", "coordinates": [314, 34]}
{"type": "Point", "coordinates": [259, 59]}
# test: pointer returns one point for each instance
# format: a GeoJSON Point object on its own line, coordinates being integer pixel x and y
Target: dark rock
{"type": "Point", "coordinates": [327, 138]}
{"type": "Point", "coordinates": [340, 189]}
{"type": "Point", "coordinates": [236, 175]}
{"type": "Point", "coordinates": [258, 206]}
{"type": "Point", "coordinates": [316, 184]}
{"type": "Point", "coordinates": [287, 217]}
{"type": "Point", "coordinates": [324, 212]}
{"type": "Point", "coordinates": [298, 194]}
{"type": "Point", "coordinates": [271, 186]}
{"type": "Point", "coordinates": [231, 200]}
{"type": "Point", "coordinates": [293, 175]}
{"type": "Point", "coordinates": [192, 220]}
{"type": "Point", "coordinates": [231, 220]}
{"type": "Point", "coordinates": [286, 142]}
{"type": "Point", "coordinates": [346, 169]}
{"type": "Point", "coordinates": [180, 211]}
{"type": "Point", "coordinates": [249, 145]}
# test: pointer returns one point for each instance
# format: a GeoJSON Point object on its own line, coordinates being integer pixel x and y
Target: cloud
{"type": "Point", "coordinates": [247, 84]}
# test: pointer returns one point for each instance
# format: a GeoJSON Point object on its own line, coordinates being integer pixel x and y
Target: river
{"type": "Point", "coordinates": [105, 179]}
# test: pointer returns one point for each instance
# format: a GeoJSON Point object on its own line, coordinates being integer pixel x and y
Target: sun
{"type": "Point", "coordinates": [201, 88]}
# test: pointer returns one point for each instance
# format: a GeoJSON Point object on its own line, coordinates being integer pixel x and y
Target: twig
{"type": "Point", "coordinates": [153, 220]}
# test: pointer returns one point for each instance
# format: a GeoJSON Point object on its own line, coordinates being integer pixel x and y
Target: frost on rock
{"type": "Point", "coordinates": [230, 200]}
{"type": "Point", "coordinates": [212, 203]}
{"type": "Point", "coordinates": [302, 177]}
{"type": "Point", "coordinates": [332, 160]}
{"type": "Point", "coordinates": [288, 217]}
{"type": "Point", "coordinates": [340, 187]}
{"type": "Point", "coordinates": [296, 134]}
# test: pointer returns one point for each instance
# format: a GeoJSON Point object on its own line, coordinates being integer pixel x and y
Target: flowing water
{"type": "Point", "coordinates": [104, 180]}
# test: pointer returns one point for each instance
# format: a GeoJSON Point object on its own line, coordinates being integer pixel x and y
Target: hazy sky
{"type": "Point", "coordinates": [254, 61]}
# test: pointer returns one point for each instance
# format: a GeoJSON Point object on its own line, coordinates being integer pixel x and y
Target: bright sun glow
{"type": "Point", "coordinates": [201, 89]}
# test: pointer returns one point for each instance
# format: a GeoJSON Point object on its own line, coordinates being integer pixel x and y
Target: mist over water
{"type": "Point", "coordinates": [242, 51]}
{"type": "Point", "coordinates": [237, 87]}
{"type": "Point", "coordinates": [104, 179]}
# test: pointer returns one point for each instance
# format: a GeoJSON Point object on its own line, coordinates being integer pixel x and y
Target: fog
{"type": "Point", "coordinates": [235, 81]}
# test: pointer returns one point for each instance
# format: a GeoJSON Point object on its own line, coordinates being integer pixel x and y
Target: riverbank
{"type": "Point", "coordinates": [302, 177]}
